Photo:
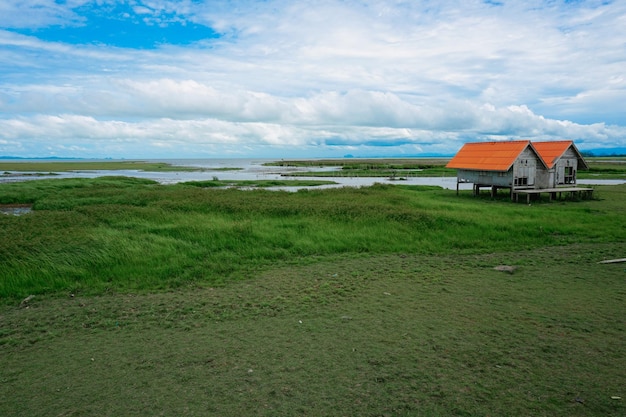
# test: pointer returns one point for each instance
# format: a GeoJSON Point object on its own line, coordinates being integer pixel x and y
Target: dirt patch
{"type": "Point", "coordinates": [506, 268]}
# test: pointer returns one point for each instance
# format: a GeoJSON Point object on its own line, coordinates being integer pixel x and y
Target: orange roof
{"type": "Point", "coordinates": [550, 152]}
{"type": "Point", "coordinates": [488, 156]}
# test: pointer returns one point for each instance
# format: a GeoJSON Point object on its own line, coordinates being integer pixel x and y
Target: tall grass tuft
{"type": "Point", "coordinates": [116, 233]}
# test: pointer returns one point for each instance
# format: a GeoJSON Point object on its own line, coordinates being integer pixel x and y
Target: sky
{"type": "Point", "coordinates": [318, 78]}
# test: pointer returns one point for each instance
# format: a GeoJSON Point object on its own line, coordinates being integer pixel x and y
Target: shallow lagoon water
{"type": "Point", "coordinates": [15, 210]}
{"type": "Point", "coordinates": [253, 169]}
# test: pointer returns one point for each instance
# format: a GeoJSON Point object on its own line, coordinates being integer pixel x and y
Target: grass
{"type": "Point", "coordinates": [384, 300]}
{"type": "Point", "coordinates": [605, 168]}
{"type": "Point", "coordinates": [599, 168]}
{"type": "Point", "coordinates": [64, 166]}
{"type": "Point", "coordinates": [397, 335]}
{"type": "Point", "coordinates": [217, 183]}
{"type": "Point", "coordinates": [393, 168]}
{"type": "Point", "coordinates": [128, 234]}
{"type": "Point", "coordinates": [364, 163]}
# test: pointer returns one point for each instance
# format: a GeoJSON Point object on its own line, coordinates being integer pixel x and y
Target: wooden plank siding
{"type": "Point", "coordinates": [519, 166]}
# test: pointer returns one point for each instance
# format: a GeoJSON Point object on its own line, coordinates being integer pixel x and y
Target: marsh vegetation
{"type": "Point", "coordinates": [383, 300]}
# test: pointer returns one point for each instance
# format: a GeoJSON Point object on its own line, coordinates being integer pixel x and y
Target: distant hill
{"type": "Point", "coordinates": [619, 151]}
{"type": "Point", "coordinates": [44, 158]}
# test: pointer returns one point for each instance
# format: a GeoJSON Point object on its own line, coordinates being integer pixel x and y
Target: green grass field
{"type": "Point", "coordinates": [381, 301]}
{"type": "Point", "coordinates": [83, 165]}
{"type": "Point", "coordinates": [599, 168]}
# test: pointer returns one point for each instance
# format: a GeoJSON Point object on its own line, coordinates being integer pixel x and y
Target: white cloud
{"type": "Point", "coordinates": [415, 75]}
{"type": "Point", "coordinates": [37, 13]}
{"type": "Point", "coordinates": [195, 136]}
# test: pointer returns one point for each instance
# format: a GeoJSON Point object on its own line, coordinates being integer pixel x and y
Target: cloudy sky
{"type": "Point", "coordinates": [318, 78]}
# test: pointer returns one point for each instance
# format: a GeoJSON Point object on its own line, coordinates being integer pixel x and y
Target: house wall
{"type": "Point", "coordinates": [498, 178]}
{"type": "Point", "coordinates": [565, 169]}
{"type": "Point", "coordinates": [543, 177]}
{"type": "Point", "coordinates": [528, 172]}
{"type": "Point", "coordinates": [525, 170]}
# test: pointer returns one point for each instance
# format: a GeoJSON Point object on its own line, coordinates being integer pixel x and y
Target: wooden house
{"type": "Point", "coordinates": [563, 161]}
{"type": "Point", "coordinates": [522, 166]}
{"type": "Point", "coordinates": [513, 165]}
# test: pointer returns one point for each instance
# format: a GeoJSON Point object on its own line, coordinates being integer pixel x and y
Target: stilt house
{"type": "Point", "coordinates": [512, 165]}
{"type": "Point", "coordinates": [563, 161]}
{"type": "Point", "coordinates": [521, 166]}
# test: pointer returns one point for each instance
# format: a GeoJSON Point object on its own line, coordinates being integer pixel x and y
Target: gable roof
{"type": "Point", "coordinates": [490, 156]}
{"type": "Point", "coordinates": [551, 152]}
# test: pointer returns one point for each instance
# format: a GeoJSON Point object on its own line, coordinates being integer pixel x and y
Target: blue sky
{"type": "Point", "coordinates": [327, 78]}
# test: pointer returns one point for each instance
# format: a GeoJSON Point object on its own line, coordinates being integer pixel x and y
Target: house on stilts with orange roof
{"type": "Point", "coordinates": [522, 166]}
{"type": "Point", "coordinates": [563, 161]}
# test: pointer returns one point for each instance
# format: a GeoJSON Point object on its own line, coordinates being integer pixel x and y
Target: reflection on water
{"type": "Point", "coordinates": [253, 169]}
{"type": "Point", "coordinates": [15, 210]}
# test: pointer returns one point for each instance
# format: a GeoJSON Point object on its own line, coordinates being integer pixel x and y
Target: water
{"type": "Point", "coordinates": [253, 169]}
{"type": "Point", "coordinates": [15, 210]}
